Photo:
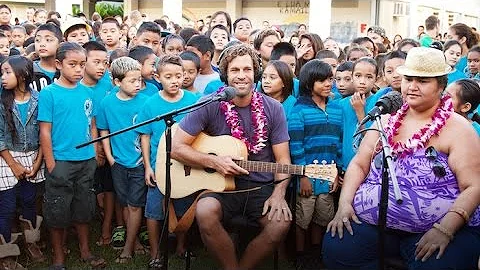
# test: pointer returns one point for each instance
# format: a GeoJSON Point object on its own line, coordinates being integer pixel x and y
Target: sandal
{"type": "Point", "coordinates": [103, 241]}
{"type": "Point", "coordinates": [118, 237]}
{"type": "Point", "coordinates": [155, 264]}
{"type": "Point", "coordinates": [94, 261]}
{"type": "Point", "coordinates": [123, 259]}
{"type": "Point", "coordinates": [186, 253]}
{"type": "Point", "coordinates": [143, 237]}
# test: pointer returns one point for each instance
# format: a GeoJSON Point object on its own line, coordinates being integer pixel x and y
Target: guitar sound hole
{"type": "Point", "coordinates": [210, 170]}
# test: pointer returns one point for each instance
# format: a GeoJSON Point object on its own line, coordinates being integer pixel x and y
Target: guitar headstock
{"type": "Point", "coordinates": [322, 171]}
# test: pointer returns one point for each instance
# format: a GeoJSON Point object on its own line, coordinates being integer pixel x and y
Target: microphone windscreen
{"type": "Point", "coordinates": [230, 93]}
{"type": "Point", "coordinates": [390, 102]}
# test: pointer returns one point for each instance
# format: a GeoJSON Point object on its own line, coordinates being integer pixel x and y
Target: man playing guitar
{"type": "Point", "coordinates": [259, 121]}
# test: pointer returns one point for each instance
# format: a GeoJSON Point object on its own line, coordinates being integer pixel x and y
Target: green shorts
{"type": "Point", "coordinates": [69, 193]}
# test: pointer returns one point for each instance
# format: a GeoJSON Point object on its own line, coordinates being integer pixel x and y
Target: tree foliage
{"type": "Point", "coordinates": [108, 10]}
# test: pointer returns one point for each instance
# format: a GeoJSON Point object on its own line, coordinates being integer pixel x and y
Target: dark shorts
{"type": "Point", "coordinates": [69, 193]}
{"type": "Point", "coordinates": [103, 179]}
{"type": "Point", "coordinates": [249, 203]}
{"type": "Point", "coordinates": [129, 184]}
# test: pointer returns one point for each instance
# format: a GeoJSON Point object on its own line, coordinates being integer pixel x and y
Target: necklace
{"type": "Point", "coordinates": [421, 138]}
{"type": "Point", "coordinates": [258, 120]}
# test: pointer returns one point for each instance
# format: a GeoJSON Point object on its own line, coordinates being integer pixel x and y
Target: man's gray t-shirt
{"type": "Point", "coordinates": [211, 120]}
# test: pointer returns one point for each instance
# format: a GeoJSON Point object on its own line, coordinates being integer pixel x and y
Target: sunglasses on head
{"type": "Point", "coordinates": [432, 155]}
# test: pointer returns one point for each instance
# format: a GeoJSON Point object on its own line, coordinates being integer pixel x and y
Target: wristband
{"type": "Point", "coordinates": [443, 230]}
{"type": "Point", "coordinates": [460, 212]}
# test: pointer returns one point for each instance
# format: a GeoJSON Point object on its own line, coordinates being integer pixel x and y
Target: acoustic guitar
{"type": "Point", "coordinates": [187, 180]}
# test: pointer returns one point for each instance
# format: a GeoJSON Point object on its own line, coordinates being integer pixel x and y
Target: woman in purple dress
{"type": "Point", "coordinates": [438, 224]}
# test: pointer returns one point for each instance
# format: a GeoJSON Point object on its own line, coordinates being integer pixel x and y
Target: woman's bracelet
{"type": "Point", "coordinates": [443, 230]}
{"type": "Point", "coordinates": [460, 212]}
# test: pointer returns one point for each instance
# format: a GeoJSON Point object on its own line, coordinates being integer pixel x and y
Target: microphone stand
{"type": "Point", "coordinates": [169, 121]}
{"type": "Point", "coordinates": [388, 168]}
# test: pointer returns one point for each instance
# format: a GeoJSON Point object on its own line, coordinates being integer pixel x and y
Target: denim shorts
{"type": "Point", "coordinates": [129, 184]}
{"type": "Point", "coordinates": [69, 193]}
{"type": "Point", "coordinates": [155, 210]}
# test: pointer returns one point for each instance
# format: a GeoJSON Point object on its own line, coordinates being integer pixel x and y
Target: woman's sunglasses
{"type": "Point", "coordinates": [432, 155]}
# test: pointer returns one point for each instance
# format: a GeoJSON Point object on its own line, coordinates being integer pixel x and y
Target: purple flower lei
{"type": "Point", "coordinates": [421, 138]}
{"type": "Point", "coordinates": [258, 120]}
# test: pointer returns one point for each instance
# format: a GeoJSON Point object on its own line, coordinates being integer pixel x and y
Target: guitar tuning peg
{"type": "Point", "coordinates": [315, 161]}
{"type": "Point", "coordinates": [324, 162]}
{"type": "Point", "coordinates": [333, 162]}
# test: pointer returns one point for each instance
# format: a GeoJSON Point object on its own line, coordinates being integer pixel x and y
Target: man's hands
{"type": "Point", "coordinates": [225, 165]}
{"type": "Point", "coordinates": [278, 207]}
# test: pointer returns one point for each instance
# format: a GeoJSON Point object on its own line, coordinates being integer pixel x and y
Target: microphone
{"type": "Point", "coordinates": [389, 103]}
{"type": "Point", "coordinates": [227, 94]}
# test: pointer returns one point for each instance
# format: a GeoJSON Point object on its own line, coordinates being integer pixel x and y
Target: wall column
{"type": "Point", "coordinates": [413, 20]}
{"type": "Point", "coordinates": [234, 8]}
{"type": "Point", "coordinates": [320, 17]}
{"type": "Point", "coordinates": [50, 4]}
{"type": "Point", "coordinates": [89, 7]}
{"type": "Point", "coordinates": [173, 9]}
{"type": "Point", "coordinates": [129, 6]}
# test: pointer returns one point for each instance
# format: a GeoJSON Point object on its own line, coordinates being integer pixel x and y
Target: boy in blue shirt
{"type": "Point", "coordinates": [315, 129]}
{"type": "Point", "coordinates": [191, 65]}
{"type": "Point", "coordinates": [170, 73]}
{"type": "Point", "coordinates": [149, 34]}
{"type": "Point", "coordinates": [355, 107]}
{"type": "Point", "coordinates": [123, 153]}
{"type": "Point", "coordinates": [95, 68]}
{"type": "Point", "coordinates": [47, 39]}
{"type": "Point", "coordinates": [147, 59]}
{"type": "Point", "coordinates": [66, 108]}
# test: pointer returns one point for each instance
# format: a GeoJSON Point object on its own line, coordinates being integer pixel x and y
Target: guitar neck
{"type": "Point", "coordinates": [259, 166]}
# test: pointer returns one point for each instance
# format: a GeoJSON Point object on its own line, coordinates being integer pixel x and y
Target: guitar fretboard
{"type": "Point", "coordinates": [259, 166]}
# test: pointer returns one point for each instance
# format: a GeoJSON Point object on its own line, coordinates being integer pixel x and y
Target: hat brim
{"type": "Point", "coordinates": [403, 70]}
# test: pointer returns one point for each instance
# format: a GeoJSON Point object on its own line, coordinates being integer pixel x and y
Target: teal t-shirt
{"type": "Point", "coordinates": [287, 105]}
{"type": "Point", "coordinates": [115, 114]}
{"type": "Point", "coordinates": [462, 64]}
{"type": "Point", "coordinates": [100, 90]}
{"type": "Point", "coordinates": [149, 90]}
{"type": "Point", "coordinates": [70, 111]}
{"type": "Point", "coordinates": [212, 87]}
{"type": "Point", "coordinates": [155, 106]}
{"type": "Point", "coordinates": [426, 41]}
{"type": "Point", "coordinates": [476, 126]}
{"type": "Point", "coordinates": [455, 75]}
{"type": "Point", "coordinates": [350, 122]}
{"type": "Point", "coordinates": [156, 83]}
{"type": "Point", "coordinates": [23, 109]}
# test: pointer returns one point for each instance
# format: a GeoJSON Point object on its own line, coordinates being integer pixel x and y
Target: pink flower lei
{"type": "Point", "coordinates": [259, 121]}
{"type": "Point", "coordinates": [420, 139]}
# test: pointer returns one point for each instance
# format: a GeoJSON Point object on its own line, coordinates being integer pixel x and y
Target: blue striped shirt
{"type": "Point", "coordinates": [315, 134]}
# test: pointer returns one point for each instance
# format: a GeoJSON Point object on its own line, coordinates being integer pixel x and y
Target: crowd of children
{"type": "Point", "coordinates": [63, 85]}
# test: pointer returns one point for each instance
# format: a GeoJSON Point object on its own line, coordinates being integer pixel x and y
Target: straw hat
{"type": "Point", "coordinates": [72, 21]}
{"type": "Point", "coordinates": [424, 62]}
